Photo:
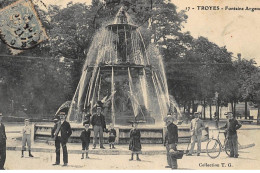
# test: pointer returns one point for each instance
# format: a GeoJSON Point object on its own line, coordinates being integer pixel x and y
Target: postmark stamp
{"type": "Point", "coordinates": [20, 26]}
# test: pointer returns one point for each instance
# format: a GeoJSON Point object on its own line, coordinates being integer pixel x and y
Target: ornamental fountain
{"type": "Point", "coordinates": [127, 76]}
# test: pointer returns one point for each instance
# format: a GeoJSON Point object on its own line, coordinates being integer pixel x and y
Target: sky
{"type": "Point", "coordinates": [238, 30]}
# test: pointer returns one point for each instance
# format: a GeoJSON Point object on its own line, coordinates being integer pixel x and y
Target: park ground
{"type": "Point", "coordinates": [44, 157]}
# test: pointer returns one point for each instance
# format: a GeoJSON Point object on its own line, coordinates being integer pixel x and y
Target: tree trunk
{"type": "Point", "coordinates": [204, 108]}
{"type": "Point", "coordinates": [232, 107]}
{"type": "Point", "coordinates": [217, 111]}
{"type": "Point", "coordinates": [193, 106]}
{"type": "Point", "coordinates": [210, 111]}
{"type": "Point", "coordinates": [258, 115]}
{"type": "Point", "coordinates": [234, 114]}
{"type": "Point", "coordinates": [245, 109]}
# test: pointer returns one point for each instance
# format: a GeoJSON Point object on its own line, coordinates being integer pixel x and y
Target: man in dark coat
{"type": "Point", "coordinates": [231, 127]}
{"type": "Point", "coordinates": [99, 126]}
{"type": "Point", "coordinates": [62, 133]}
{"type": "Point", "coordinates": [171, 140]}
{"type": "Point", "coordinates": [2, 144]}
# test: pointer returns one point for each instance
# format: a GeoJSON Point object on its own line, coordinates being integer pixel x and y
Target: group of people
{"type": "Point", "coordinates": [62, 131]}
{"type": "Point", "coordinates": [196, 127]}
{"type": "Point", "coordinates": [171, 138]}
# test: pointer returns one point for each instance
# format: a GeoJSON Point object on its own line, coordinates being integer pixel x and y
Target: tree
{"type": "Point", "coordinates": [249, 81]}
{"type": "Point", "coordinates": [197, 75]}
{"type": "Point", "coordinates": [40, 85]}
{"type": "Point", "coordinates": [71, 31]}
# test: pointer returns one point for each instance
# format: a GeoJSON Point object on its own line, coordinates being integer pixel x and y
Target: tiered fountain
{"type": "Point", "coordinates": [128, 77]}
{"type": "Point", "coordinates": [119, 71]}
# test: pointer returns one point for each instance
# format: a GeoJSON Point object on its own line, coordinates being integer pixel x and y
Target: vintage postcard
{"type": "Point", "coordinates": [129, 85]}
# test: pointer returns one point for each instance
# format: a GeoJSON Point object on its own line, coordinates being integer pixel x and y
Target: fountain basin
{"type": "Point", "coordinates": [150, 134]}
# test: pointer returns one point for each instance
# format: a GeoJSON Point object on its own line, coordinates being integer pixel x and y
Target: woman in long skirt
{"type": "Point", "coordinates": [135, 143]}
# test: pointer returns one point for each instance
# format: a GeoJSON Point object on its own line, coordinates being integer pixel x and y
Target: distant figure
{"type": "Point", "coordinates": [85, 140]}
{"type": "Point", "coordinates": [26, 138]}
{"type": "Point", "coordinates": [112, 136]}
{"type": "Point", "coordinates": [2, 143]}
{"type": "Point", "coordinates": [171, 140]}
{"type": "Point", "coordinates": [61, 136]}
{"type": "Point", "coordinates": [135, 142]}
{"type": "Point", "coordinates": [216, 120]}
{"type": "Point", "coordinates": [86, 116]}
{"type": "Point", "coordinates": [196, 127]}
{"type": "Point", "coordinates": [231, 127]}
{"type": "Point", "coordinates": [187, 116]}
{"type": "Point", "coordinates": [99, 126]}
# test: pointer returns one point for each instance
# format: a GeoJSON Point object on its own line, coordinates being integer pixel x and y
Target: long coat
{"type": "Point", "coordinates": [171, 136]}
{"type": "Point", "coordinates": [65, 131]}
{"type": "Point", "coordinates": [135, 140]}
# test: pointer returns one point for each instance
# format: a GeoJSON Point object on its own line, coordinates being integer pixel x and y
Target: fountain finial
{"type": "Point", "coordinates": [121, 17]}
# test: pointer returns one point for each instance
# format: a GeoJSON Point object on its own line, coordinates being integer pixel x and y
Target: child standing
{"type": "Point", "coordinates": [112, 136]}
{"type": "Point", "coordinates": [85, 139]}
{"type": "Point", "coordinates": [26, 132]}
{"type": "Point", "coordinates": [135, 142]}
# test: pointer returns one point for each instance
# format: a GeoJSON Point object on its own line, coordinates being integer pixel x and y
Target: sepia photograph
{"type": "Point", "coordinates": [129, 85]}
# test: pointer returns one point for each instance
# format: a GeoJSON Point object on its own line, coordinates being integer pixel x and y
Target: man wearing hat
{"type": "Point", "coordinates": [61, 136]}
{"type": "Point", "coordinates": [2, 143]}
{"type": "Point", "coordinates": [99, 125]}
{"type": "Point", "coordinates": [26, 138]}
{"type": "Point", "coordinates": [171, 140]}
{"type": "Point", "coordinates": [231, 127]}
{"type": "Point", "coordinates": [196, 127]}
